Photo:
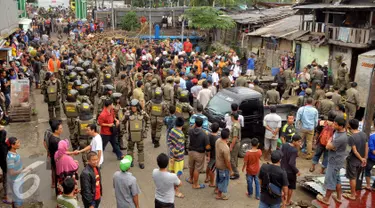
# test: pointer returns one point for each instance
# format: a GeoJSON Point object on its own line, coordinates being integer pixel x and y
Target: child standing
{"type": "Point", "coordinates": [170, 121]}
{"type": "Point", "coordinates": [252, 165]}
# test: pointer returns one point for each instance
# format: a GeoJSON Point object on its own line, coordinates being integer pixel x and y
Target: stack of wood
{"type": "Point", "coordinates": [21, 113]}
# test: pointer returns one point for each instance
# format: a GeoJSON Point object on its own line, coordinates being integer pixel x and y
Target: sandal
{"type": "Point", "coordinates": [201, 186]}
{"type": "Point", "coordinates": [320, 198]}
{"type": "Point", "coordinates": [334, 196]}
{"type": "Point", "coordinates": [212, 186]}
{"type": "Point", "coordinates": [312, 169]}
{"type": "Point", "coordinates": [5, 201]}
{"type": "Point", "coordinates": [207, 180]}
{"type": "Point", "coordinates": [188, 180]}
{"type": "Point", "coordinates": [369, 188]}
{"type": "Point", "coordinates": [180, 195]}
{"type": "Point", "coordinates": [290, 203]}
{"type": "Point", "coordinates": [349, 196]}
{"type": "Point", "coordinates": [223, 197]}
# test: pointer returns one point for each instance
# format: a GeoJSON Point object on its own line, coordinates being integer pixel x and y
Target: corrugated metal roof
{"type": "Point", "coordinates": [287, 28]}
{"type": "Point", "coordinates": [262, 16]}
{"type": "Point", "coordinates": [336, 6]}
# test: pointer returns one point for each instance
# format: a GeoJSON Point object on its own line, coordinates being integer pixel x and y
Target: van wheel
{"type": "Point", "coordinates": [244, 146]}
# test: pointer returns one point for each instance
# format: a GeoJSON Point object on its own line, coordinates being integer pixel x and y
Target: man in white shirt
{"type": "Point", "coordinates": [96, 144]}
{"type": "Point", "coordinates": [228, 117]}
{"type": "Point", "coordinates": [205, 95]}
{"type": "Point", "coordinates": [272, 123]}
{"type": "Point", "coordinates": [215, 78]}
{"type": "Point", "coordinates": [236, 70]}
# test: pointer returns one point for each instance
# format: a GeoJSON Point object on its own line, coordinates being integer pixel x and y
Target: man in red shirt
{"type": "Point", "coordinates": [188, 47]}
{"type": "Point", "coordinates": [89, 178]}
{"type": "Point", "coordinates": [108, 124]}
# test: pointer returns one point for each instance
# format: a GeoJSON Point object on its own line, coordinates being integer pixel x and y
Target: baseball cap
{"type": "Point", "coordinates": [125, 163]}
{"type": "Point", "coordinates": [276, 156]}
{"type": "Point", "coordinates": [203, 75]}
{"type": "Point", "coordinates": [194, 81]}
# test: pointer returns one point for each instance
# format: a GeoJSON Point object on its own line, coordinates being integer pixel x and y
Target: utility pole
{"type": "Point", "coordinates": [149, 19]}
{"type": "Point", "coordinates": [182, 30]}
{"type": "Point", "coordinates": [113, 17]}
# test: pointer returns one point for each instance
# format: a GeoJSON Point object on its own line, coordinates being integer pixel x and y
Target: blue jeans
{"type": "Point", "coordinates": [319, 151]}
{"type": "Point", "coordinates": [114, 142]}
{"type": "Point", "coordinates": [222, 180]}
{"type": "Point", "coordinates": [265, 205]}
{"type": "Point", "coordinates": [249, 179]}
{"type": "Point", "coordinates": [7, 100]}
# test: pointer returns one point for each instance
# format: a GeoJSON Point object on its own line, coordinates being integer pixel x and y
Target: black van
{"type": "Point", "coordinates": [251, 107]}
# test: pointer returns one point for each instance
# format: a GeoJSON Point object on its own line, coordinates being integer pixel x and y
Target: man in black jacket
{"type": "Point", "coordinates": [91, 183]}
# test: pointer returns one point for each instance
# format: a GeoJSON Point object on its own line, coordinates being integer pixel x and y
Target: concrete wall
{"type": "Point", "coordinates": [8, 17]}
{"type": "Point", "coordinates": [309, 53]}
{"type": "Point", "coordinates": [156, 13]}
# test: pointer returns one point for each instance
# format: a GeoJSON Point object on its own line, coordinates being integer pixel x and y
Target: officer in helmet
{"type": "Point", "coordinates": [154, 86]}
{"type": "Point", "coordinates": [106, 80]}
{"type": "Point", "coordinates": [83, 95]}
{"type": "Point", "coordinates": [176, 88]}
{"type": "Point", "coordinates": [71, 78]}
{"type": "Point", "coordinates": [84, 119]}
{"type": "Point", "coordinates": [157, 109]}
{"type": "Point", "coordinates": [71, 107]}
{"type": "Point", "coordinates": [184, 110]}
{"type": "Point", "coordinates": [303, 98]}
{"type": "Point", "coordinates": [107, 92]}
{"type": "Point", "coordinates": [51, 89]}
{"type": "Point", "coordinates": [119, 116]}
{"type": "Point", "coordinates": [124, 86]}
{"type": "Point", "coordinates": [93, 82]}
{"type": "Point", "coordinates": [136, 123]}
{"type": "Point", "coordinates": [168, 92]}
{"type": "Point", "coordinates": [167, 66]}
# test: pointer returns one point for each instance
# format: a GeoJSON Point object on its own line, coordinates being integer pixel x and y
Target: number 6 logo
{"type": "Point", "coordinates": [23, 176]}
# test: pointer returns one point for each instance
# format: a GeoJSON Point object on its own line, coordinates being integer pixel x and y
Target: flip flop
{"type": "Point", "coordinates": [201, 186]}
{"type": "Point", "coordinates": [6, 201]}
{"type": "Point", "coordinates": [334, 196]}
{"type": "Point", "coordinates": [180, 195]}
{"type": "Point", "coordinates": [349, 196]}
{"type": "Point", "coordinates": [320, 198]}
{"type": "Point", "coordinates": [369, 189]}
{"type": "Point", "coordinates": [187, 180]}
{"type": "Point", "coordinates": [312, 169]}
{"type": "Point", "coordinates": [212, 186]}
{"type": "Point", "coordinates": [222, 197]}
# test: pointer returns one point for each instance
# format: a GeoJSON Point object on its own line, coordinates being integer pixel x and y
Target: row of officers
{"type": "Point", "coordinates": [135, 117]}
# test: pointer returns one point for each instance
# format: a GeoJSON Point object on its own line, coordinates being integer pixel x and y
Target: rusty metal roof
{"type": "Point", "coordinates": [262, 16]}
{"type": "Point", "coordinates": [287, 28]}
{"type": "Point", "coordinates": [336, 6]}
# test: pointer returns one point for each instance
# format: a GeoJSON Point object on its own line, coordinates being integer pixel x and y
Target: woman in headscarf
{"type": "Point", "coordinates": [66, 166]}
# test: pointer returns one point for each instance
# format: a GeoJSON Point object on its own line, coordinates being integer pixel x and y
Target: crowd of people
{"type": "Point", "coordinates": [116, 91]}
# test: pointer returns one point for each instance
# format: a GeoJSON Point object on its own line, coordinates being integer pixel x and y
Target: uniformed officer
{"type": "Point", "coordinates": [136, 123]}
{"type": "Point", "coordinates": [93, 82]}
{"type": "Point", "coordinates": [157, 109]}
{"type": "Point", "coordinates": [241, 81]}
{"type": "Point", "coordinates": [352, 100]}
{"type": "Point", "coordinates": [52, 92]}
{"type": "Point", "coordinates": [336, 97]}
{"type": "Point", "coordinates": [317, 77]}
{"type": "Point", "coordinates": [319, 92]}
{"type": "Point", "coordinates": [302, 99]}
{"type": "Point", "coordinates": [80, 133]}
{"type": "Point", "coordinates": [342, 72]}
{"type": "Point", "coordinates": [123, 86]}
{"type": "Point", "coordinates": [261, 64]}
{"type": "Point", "coordinates": [326, 105]}
{"type": "Point", "coordinates": [139, 95]}
{"type": "Point", "coordinates": [176, 88]}
{"type": "Point", "coordinates": [82, 96]}
{"type": "Point", "coordinates": [225, 81]}
{"type": "Point", "coordinates": [147, 88]}
{"type": "Point", "coordinates": [71, 106]}
{"type": "Point", "coordinates": [106, 80]}
{"type": "Point", "coordinates": [168, 93]}
{"type": "Point", "coordinates": [184, 110]}
{"type": "Point", "coordinates": [288, 73]}
{"type": "Point", "coordinates": [154, 86]}
{"type": "Point", "coordinates": [272, 96]}
{"type": "Point", "coordinates": [258, 88]}
{"type": "Point", "coordinates": [107, 92]}
{"type": "Point", "coordinates": [116, 97]}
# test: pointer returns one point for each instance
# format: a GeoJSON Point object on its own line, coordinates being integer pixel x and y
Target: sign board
{"type": "Point", "coordinates": [19, 91]}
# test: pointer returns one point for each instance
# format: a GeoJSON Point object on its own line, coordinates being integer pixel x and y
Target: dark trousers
{"type": "Point", "coordinates": [88, 204]}
{"type": "Point", "coordinates": [114, 142]}
{"type": "Point", "coordinates": [159, 204]}
{"type": "Point", "coordinates": [3, 166]}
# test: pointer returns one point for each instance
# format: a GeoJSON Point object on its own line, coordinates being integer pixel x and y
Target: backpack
{"type": "Point", "coordinates": [326, 134]}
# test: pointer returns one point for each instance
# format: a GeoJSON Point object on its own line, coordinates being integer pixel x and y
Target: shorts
{"type": "Point", "coordinates": [177, 167]}
{"type": "Point", "coordinates": [250, 72]}
{"type": "Point", "coordinates": [160, 204]}
{"type": "Point", "coordinates": [270, 144]}
{"type": "Point", "coordinates": [370, 164]}
{"type": "Point", "coordinates": [332, 177]}
{"type": "Point", "coordinates": [222, 180]}
{"type": "Point", "coordinates": [212, 165]}
{"type": "Point", "coordinates": [196, 160]}
{"type": "Point", "coordinates": [292, 179]}
{"type": "Point", "coordinates": [352, 170]}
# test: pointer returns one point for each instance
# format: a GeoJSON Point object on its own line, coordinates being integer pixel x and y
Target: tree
{"type": "Point", "coordinates": [209, 18]}
{"type": "Point", "coordinates": [130, 21]}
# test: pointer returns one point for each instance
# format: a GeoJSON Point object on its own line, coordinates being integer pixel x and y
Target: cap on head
{"type": "Point", "coordinates": [329, 94]}
{"type": "Point", "coordinates": [309, 91]}
{"type": "Point", "coordinates": [125, 163]}
{"type": "Point", "coordinates": [274, 85]}
{"type": "Point", "coordinates": [276, 156]}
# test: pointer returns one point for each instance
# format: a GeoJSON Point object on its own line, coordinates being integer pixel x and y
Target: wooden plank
{"type": "Point", "coordinates": [334, 29]}
{"type": "Point", "coordinates": [367, 36]}
{"type": "Point", "coordinates": [363, 33]}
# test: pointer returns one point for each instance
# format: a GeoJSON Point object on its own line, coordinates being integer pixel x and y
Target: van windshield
{"type": "Point", "coordinates": [220, 104]}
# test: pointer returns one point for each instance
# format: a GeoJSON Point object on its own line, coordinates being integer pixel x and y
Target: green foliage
{"type": "Point", "coordinates": [209, 18]}
{"type": "Point", "coordinates": [130, 21]}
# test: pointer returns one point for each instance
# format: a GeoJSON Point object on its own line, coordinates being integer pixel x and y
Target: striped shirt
{"type": "Point", "coordinates": [176, 144]}
{"type": "Point", "coordinates": [66, 202]}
